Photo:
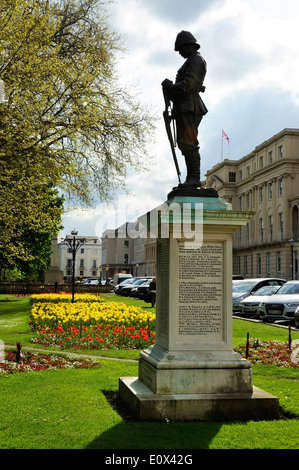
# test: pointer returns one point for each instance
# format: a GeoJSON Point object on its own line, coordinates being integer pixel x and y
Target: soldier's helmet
{"type": "Point", "coordinates": [185, 37]}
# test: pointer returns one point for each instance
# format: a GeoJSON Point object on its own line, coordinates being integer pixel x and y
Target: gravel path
{"type": "Point", "coordinates": [70, 354]}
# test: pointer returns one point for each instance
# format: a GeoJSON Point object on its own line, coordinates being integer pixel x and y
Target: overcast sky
{"type": "Point", "coordinates": [252, 87]}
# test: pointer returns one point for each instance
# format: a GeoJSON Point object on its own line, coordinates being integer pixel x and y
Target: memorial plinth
{"type": "Point", "coordinates": [192, 372]}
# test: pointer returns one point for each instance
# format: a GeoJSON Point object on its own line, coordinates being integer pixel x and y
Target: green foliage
{"type": "Point", "coordinates": [62, 97]}
{"type": "Point", "coordinates": [30, 212]}
{"type": "Point", "coordinates": [65, 121]}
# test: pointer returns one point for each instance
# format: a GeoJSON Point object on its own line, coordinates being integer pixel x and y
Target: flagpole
{"type": "Point", "coordinates": [222, 146]}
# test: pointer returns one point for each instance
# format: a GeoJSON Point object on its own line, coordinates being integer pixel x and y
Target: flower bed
{"type": "Point", "coordinates": [270, 353]}
{"type": "Point", "coordinates": [92, 325]}
{"type": "Point", "coordinates": [36, 362]}
{"type": "Point", "coordinates": [58, 297]}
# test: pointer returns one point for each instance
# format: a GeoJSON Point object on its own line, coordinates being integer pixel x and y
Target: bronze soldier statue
{"type": "Point", "coordinates": [188, 107]}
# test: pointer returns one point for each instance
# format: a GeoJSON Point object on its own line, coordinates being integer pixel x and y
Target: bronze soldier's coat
{"type": "Point", "coordinates": [189, 82]}
{"type": "Point", "coordinates": [188, 107]}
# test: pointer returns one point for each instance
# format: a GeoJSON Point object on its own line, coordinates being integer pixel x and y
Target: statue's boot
{"type": "Point", "coordinates": [193, 171]}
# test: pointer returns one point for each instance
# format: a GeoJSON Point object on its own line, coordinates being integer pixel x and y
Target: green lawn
{"type": "Point", "coordinates": [68, 409]}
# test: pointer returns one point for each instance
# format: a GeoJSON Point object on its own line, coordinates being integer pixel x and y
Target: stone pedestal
{"type": "Point", "coordinates": [54, 273]}
{"type": "Point", "coordinates": [192, 372]}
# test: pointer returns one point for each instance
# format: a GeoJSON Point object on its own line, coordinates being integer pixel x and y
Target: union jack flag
{"type": "Point", "coordinates": [225, 136]}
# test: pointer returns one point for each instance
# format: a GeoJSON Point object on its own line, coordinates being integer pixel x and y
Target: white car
{"type": "Point", "coordinates": [281, 306]}
{"type": "Point", "coordinates": [246, 287]}
{"type": "Point", "coordinates": [250, 305]}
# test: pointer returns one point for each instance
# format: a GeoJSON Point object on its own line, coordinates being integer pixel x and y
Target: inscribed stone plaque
{"type": "Point", "coordinates": [163, 318]}
{"type": "Point", "coordinates": [201, 292]}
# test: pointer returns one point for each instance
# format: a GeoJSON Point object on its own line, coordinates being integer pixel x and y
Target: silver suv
{"type": "Point", "coordinates": [281, 306]}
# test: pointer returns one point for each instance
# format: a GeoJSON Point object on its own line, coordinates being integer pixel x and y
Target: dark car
{"type": "Point", "coordinates": [126, 290]}
{"type": "Point", "coordinates": [142, 290]}
{"type": "Point", "coordinates": [118, 288]}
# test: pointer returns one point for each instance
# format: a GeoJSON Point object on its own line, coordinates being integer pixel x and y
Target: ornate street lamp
{"type": "Point", "coordinates": [73, 245]}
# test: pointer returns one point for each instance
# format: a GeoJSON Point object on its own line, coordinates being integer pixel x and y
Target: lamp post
{"type": "Point", "coordinates": [73, 245]}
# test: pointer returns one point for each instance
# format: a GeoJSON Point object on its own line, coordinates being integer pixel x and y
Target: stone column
{"type": "Point", "coordinates": [192, 372]}
{"type": "Point", "coordinates": [54, 273]}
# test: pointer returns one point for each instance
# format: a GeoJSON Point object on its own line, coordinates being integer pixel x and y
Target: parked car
{"type": "Point", "coordinates": [91, 281]}
{"type": "Point", "coordinates": [118, 288]}
{"type": "Point", "coordinates": [249, 307]}
{"type": "Point", "coordinates": [282, 305]}
{"type": "Point", "coordinates": [119, 278]}
{"type": "Point", "coordinates": [142, 290]}
{"type": "Point", "coordinates": [126, 290]}
{"type": "Point", "coordinates": [246, 287]}
{"type": "Point", "coordinates": [296, 317]}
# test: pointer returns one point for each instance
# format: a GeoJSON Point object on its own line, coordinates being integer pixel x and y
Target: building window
{"type": "Point", "coordinates": [261, 162]}
{"type": "Point", "coordinates": [126, 243]}
{"type": "Point", "coordinates": [232, 177]}
{"type": "Point", "coordinates": [280, 218]}
{"type": "Point", "coordinates": [93, 273]}
{"type": "Point", "coordinates": [278, 262]}
{"type": "Point", "coordinates": [280, 187]}
{"type": "Point", "coordinates": [259, 264]}
{"type": "Point", "coordinates": [240, 175]}
{"type": "Point", "coordinates": [295, 265]}
{"type": "Point", "coordinates": [261, 225]}
{"type": "Point", "coordinates": [248, 171]}
{"type": "Point", "coordinates": [270, 191]}
{"type": "Point", "coordinates": [247, 201]}
{"type": "Point", "coordinates": [295, 221]}
{"type": "Point", "coordinates": [280, 152]}
{"type": "Point", "coordinates": [69, 263]}
{"type": "Point", "coordinates": [270, 157]}
{"type": "Point", "coordinates": [81, 273]}
{"type": "Point", "coordinates": [268, 263]}
{"type": "Point", "coordinates": [240, 236]}
{"type": "Point", "coordinates": [239, 265]}
{"type": "Point", "coordinates": [126, 258]}
{"type": "Point", "coordinates": [260, 194]}
{"type": "Point", "coordinates": [82, 250]}
{"type": "Point", "coordinates": [247, 235]}
{"type": "Point", "coordinates": [270, 228]}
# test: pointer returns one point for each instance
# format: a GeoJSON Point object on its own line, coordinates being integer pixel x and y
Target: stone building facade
{"type": "Point", "coordinates": [266, 182]}
{"type": "Point", "coordinates": [88, 259]}
{"type": "Point", "coordinates": [124, 252]}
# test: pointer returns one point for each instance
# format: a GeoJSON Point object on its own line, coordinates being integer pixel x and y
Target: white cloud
{"type": "Point", "coordinates": [252, 91]}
